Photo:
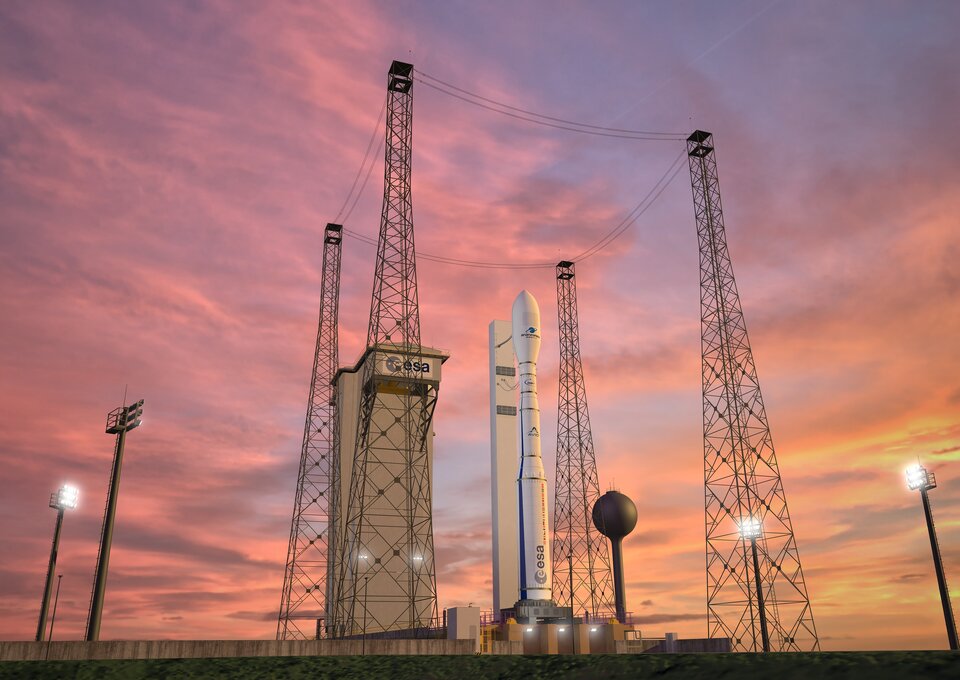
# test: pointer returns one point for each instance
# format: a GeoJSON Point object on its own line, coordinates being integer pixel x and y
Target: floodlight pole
{"type": "Point", "coordinates": [763, 615]}
{"type": "Point", "coordinates": [938, 567]}
{"type": "Point", "coordinates": [119, 422]}
{"type": "Point", "coordinates": [53, 614]}
{"type": "Point", "coordinates": [51, 567]}
{"type": "Point", "coordinates": [106, 540]}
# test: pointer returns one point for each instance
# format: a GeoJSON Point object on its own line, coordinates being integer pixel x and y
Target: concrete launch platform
{"type": "Point", "coordinates": [69, 650]}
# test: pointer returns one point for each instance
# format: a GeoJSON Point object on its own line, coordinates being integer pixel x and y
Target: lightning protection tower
{"type": "Point", "coordinates": [386, 576]}
{"type": "Point", "coordinates": [754, 580]}
{"type": "Point", "coordinates": [303, 600]}
{"type": "Point", "coordinates": [581, 565]}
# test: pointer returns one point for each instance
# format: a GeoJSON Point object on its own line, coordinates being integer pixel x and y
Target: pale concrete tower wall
{"type": "Point", "coordinates": [385, 603]}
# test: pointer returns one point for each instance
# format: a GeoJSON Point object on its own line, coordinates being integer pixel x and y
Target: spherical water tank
{"type": "Point", "coordinates": [614, 515]}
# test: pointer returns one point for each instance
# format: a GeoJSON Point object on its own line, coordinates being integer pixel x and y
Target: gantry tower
{"type": "Point", "coordinates": [303, 600]}
{"type": "Point", "coordinates": [756, 594]}
{"type": "Point", "coordinates": [581, 564]}
{"type": "Point", "coordinates": [386, 576]}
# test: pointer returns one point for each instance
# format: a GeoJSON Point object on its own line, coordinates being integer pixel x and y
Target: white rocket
{"type": "Point", "coordinates": [536, 580]}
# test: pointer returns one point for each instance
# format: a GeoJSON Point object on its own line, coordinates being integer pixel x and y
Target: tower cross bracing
{"type": "Point", "coordinates": [386, 578]}
{"type": "Point", "coordinates": [577, 545]}
{"type": "Point", "coordinates": [743, 488]}
{"type": "Point", "coordinates": [305, 582]}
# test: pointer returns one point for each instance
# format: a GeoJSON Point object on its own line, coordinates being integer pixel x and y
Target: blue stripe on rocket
{"type": "Point", "coordinates": [523, 552]}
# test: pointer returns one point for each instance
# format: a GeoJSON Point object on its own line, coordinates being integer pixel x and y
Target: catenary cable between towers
{"type": "Point", "coordinates": [487, 103]}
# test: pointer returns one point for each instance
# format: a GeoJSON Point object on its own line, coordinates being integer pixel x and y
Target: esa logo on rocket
{"type": "Point", "coordinates": [541, 576]}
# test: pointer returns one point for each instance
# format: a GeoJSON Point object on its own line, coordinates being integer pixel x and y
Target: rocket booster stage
{"type": "Point", "coordinates": [536, 580]}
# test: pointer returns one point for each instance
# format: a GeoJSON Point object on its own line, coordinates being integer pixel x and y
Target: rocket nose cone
{"type": "Point", "coordinates": [526, 327]}
{"type": "Point", "coordinates": [526, 303]}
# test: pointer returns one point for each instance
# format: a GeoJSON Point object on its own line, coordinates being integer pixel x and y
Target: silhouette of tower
{"type": "Point", "coordinates": [303, 599]}
{"type": "Point", "coordinates": [386, 577]}
{"type": "Point", "coordinates": [754, 578]}
{"type": "Point", "coordinates": [577, 546]}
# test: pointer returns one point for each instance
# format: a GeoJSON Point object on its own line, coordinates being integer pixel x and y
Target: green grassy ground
{"type": "Point", "coordinates": [829, 665]}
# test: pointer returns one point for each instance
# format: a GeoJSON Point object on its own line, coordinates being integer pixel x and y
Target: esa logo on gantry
{"type": "Point", "coordinates": [396, 364]}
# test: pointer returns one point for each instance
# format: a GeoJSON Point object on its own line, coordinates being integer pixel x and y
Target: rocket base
{"type": "Point", "coordinates": [536, 611]}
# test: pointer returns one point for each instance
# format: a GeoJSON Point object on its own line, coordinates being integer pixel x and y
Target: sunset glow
{"type": "Point", "coordinates": [166, 172]}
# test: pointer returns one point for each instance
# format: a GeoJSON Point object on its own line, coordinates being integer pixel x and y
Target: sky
{"type": "Point", "coordinates": [166, 171]}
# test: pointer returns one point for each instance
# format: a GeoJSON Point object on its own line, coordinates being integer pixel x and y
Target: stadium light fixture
{"type": "Point", "coordinates": [751, 528]}
{"type": "Point", "coordinates": [922, 480]}
{"type": "Point", "coordinates": [120, 421]}
{"type": "Point", "coordinates": [919, 478]}
{"type": "Point", "coordinates": [65, 498]}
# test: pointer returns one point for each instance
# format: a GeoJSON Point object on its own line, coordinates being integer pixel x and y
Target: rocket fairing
{"type": "Point", "coordinates": [536, 580]}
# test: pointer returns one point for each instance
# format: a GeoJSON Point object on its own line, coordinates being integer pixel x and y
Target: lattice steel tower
{"type": "Point", "coordinates": [386, 576]}
{"type": "Point", "coordinates": [756, 594]}
{"type": "Point", "coordinates": [303, 600]}
{"type": "Point", "coordinates": [577, 486]}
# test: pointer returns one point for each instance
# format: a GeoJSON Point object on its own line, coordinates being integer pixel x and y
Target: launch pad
{"type": "Point", "coordinates": [538, 611]}
{"type": "Point", "coordinates": [366, 509]}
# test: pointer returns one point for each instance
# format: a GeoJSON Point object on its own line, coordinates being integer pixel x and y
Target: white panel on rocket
{"type": "Point", "coordinates": [536, 581]}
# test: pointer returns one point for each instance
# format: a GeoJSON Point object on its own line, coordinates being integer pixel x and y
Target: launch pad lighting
{"type": "Point", "coordinates": [120, 421]}
{"type": "Point", "coordinates": [750, 528]}
{"type": "Point", "coordinates": [66, 498]}
{"type": "Point", "coordinates": [918, 477]}
{"type": "Point", "coordinates": [922, 480]}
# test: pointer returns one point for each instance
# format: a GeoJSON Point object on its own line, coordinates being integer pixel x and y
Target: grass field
{"type": "Point", "coordinates": [839, 665]}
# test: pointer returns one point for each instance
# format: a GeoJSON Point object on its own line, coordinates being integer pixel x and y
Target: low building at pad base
{"type": "Point", "coordinates": [608, 636]}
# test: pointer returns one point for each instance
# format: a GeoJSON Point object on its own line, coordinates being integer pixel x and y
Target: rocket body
{"type": "Point", "coordinates": [536, 579]}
